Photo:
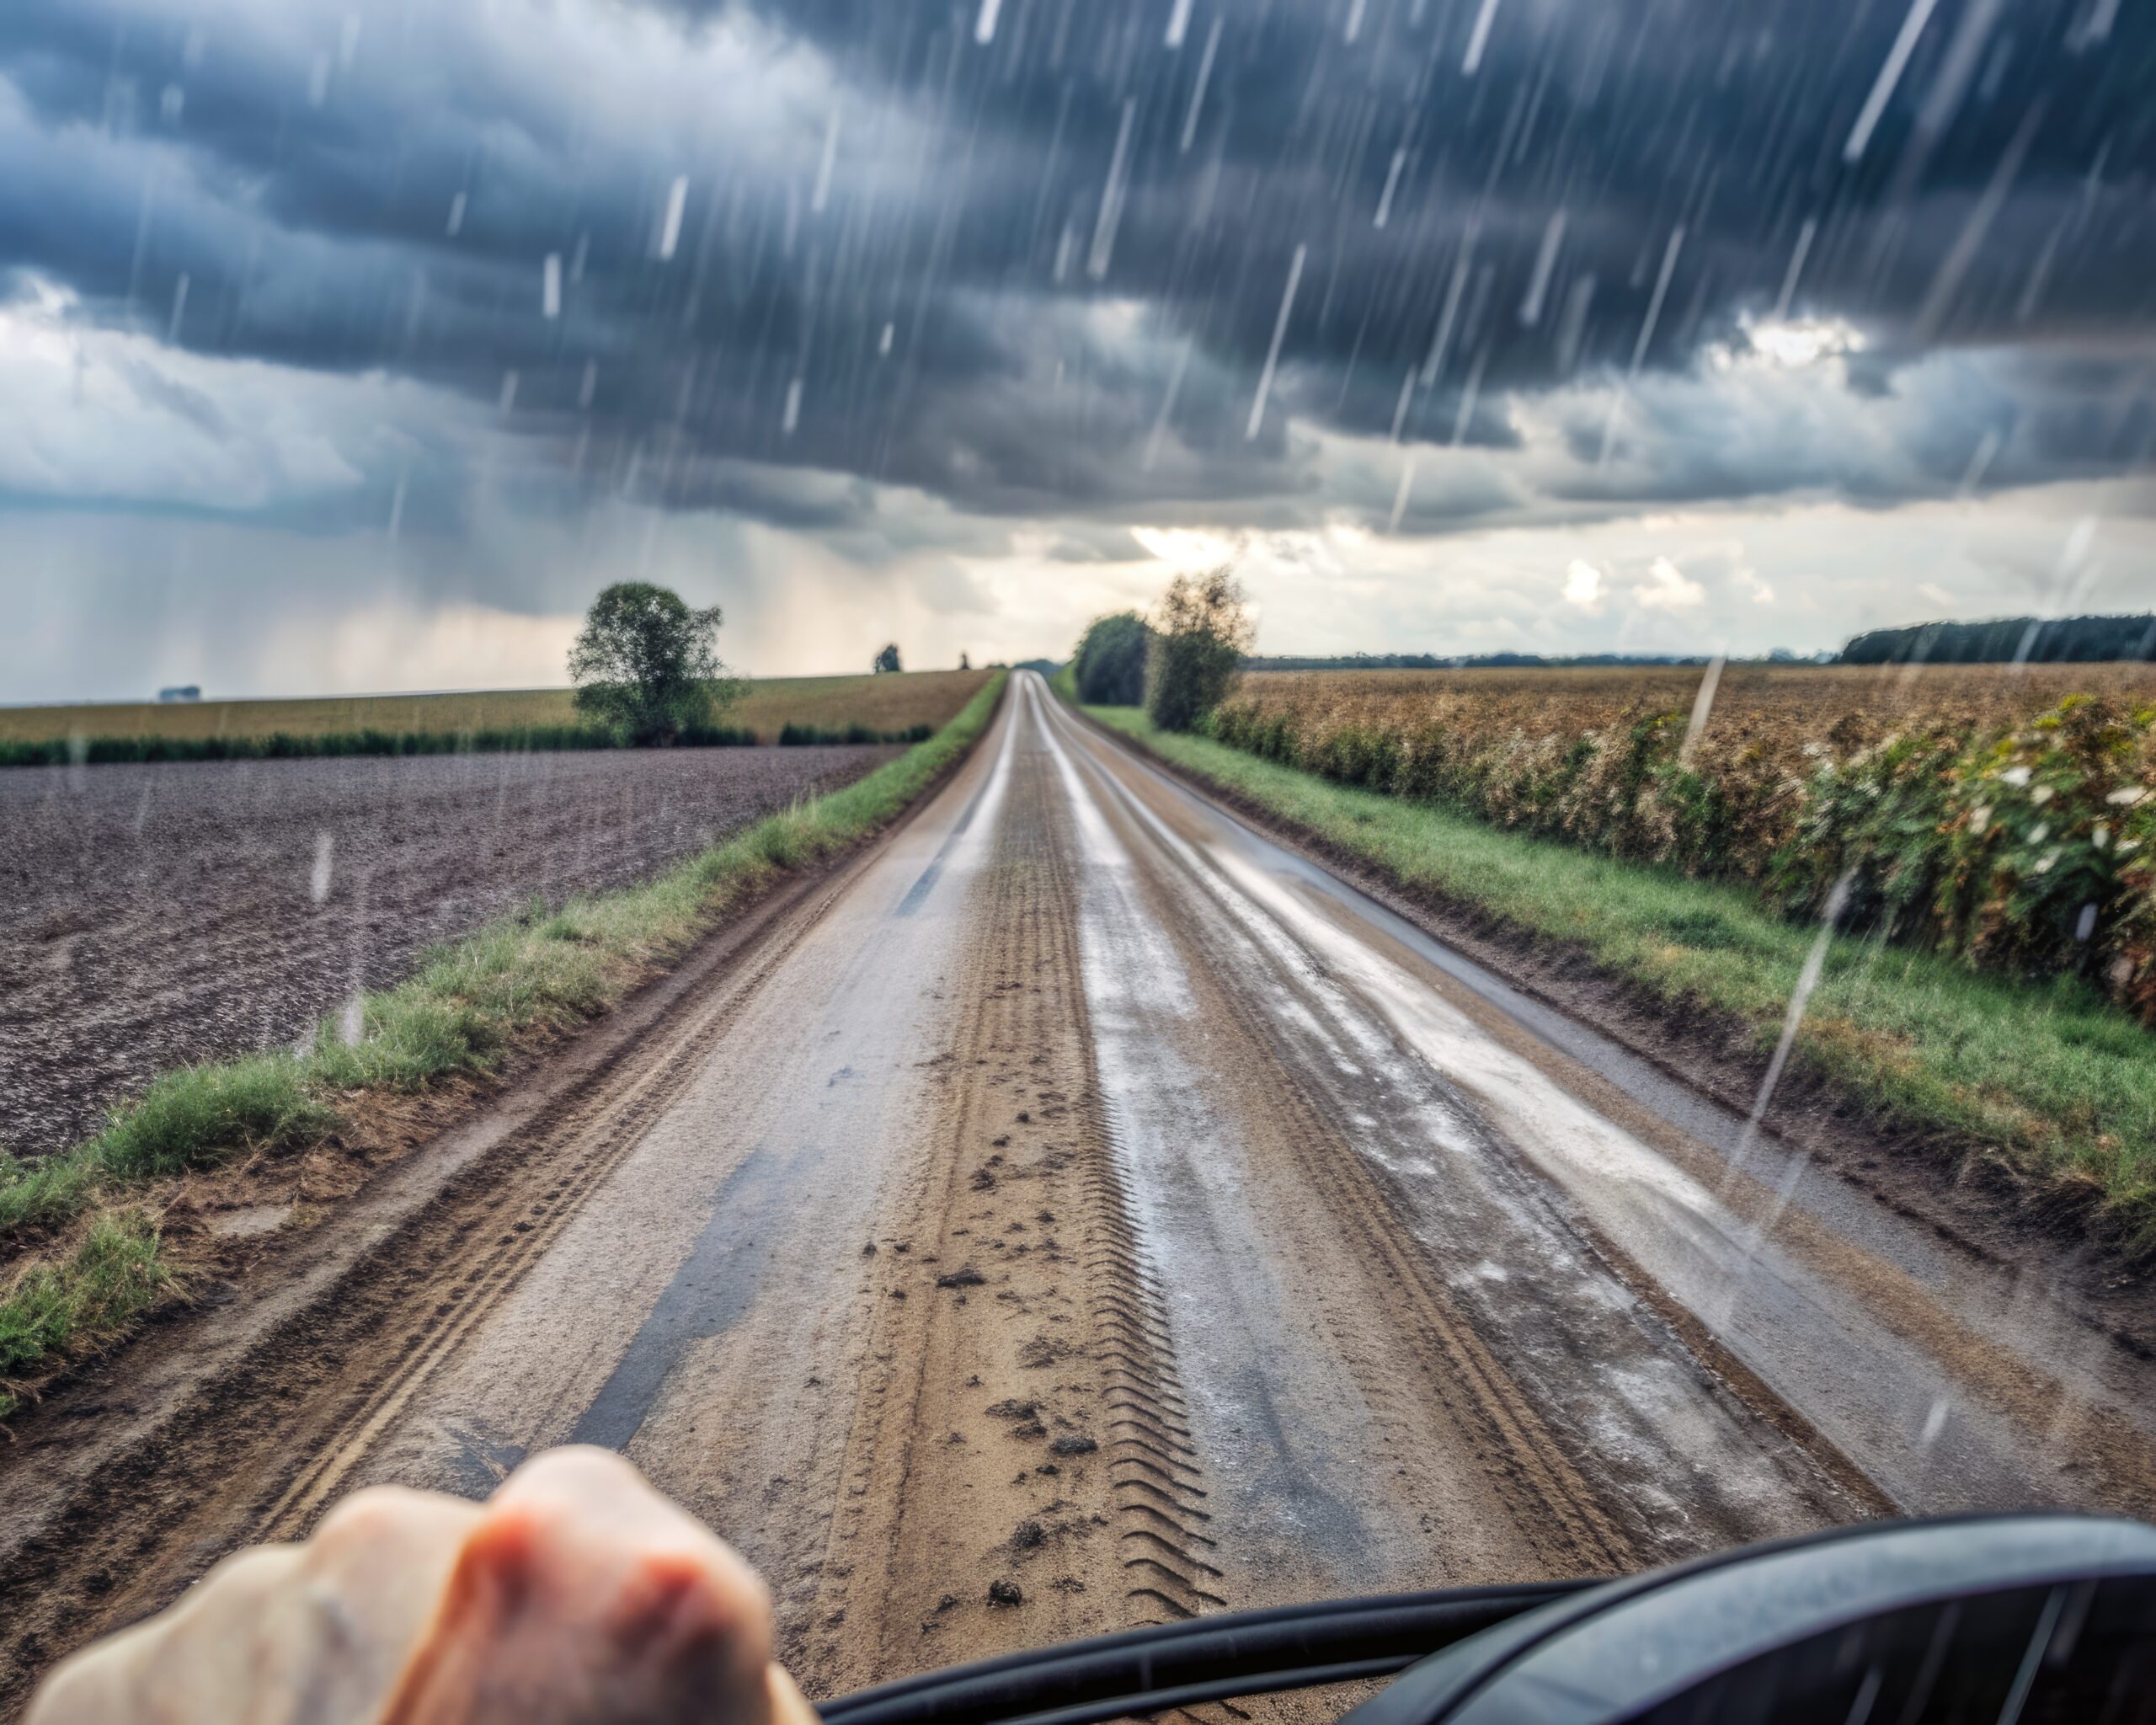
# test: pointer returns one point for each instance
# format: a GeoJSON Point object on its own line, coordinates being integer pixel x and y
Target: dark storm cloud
{"type": "Point", "coordinates": [1044, 273]}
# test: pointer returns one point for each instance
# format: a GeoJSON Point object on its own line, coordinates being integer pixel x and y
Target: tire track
{"type": "Point", "coordinates": [1045, 1342]}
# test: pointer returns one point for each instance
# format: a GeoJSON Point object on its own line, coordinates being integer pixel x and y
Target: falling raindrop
{"type": "Point", "coordinates": [1272, 353]}
{"type": "Point", "coordinates": [1703, 704]}
{"type": "Point", "coordinates": [677, 205]}
{"type": "Point", "coordinates": [550, 286]}
{"type": "Point", "coordinates": [1890, 74]}
{"type": "Point", "coordinates": [1546, 260]}
{"type": "Point", "coordinates": [1103, 249]}
{"type": "Point", "coordinates": [1167, 407]}
{"type": "Point", "coordinates": [1479, 38]}
{"type": "Point", "coordinates": [456, 215]}
{"type": "Point", "coordinates": [1400, 407]}
{"type": "Point", "coordinates": [1804, 235]}
{"type": "Point", "coordinates": [1808, 980]}
{"type": "Point", "coordinates": [1400, 497]}
{"type": "Point", "coordinates": [1391, 185]}
{"type": "Point", "coordinates": [1197, 89]}
{"type": "Point", "coordinates": [317, 885]}
{"type": "Point", "coordinates": [822, 195]}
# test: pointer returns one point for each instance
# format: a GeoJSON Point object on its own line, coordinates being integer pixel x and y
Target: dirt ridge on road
{"type": "Point", "coordinates": [1016, 1470]}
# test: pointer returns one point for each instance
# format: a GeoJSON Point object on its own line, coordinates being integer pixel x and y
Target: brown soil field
{"type": "Point", "coordinates": [884, 704]}
{"type": "Point", "coordinates": [151, 915]}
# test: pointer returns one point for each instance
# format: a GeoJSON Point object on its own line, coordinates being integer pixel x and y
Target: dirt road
{"type": "Point", "coordinates": [1084, 1198]}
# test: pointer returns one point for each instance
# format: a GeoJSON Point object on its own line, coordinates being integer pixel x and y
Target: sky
{"type": "Point", "coordinates": [354, 345]}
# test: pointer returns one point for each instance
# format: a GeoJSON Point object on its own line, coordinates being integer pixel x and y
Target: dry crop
{"type": "Point", "coordinates": [2003, 815]}
{"type": "Point", "coordinates": [767, 705]}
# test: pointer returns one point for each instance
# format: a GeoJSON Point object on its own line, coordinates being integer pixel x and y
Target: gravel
{"type": "Point", "coordinates": [152, 915]}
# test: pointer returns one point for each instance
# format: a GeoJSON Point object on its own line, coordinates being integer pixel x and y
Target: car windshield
{"type": "Point", "coordinates": [1111, 810]}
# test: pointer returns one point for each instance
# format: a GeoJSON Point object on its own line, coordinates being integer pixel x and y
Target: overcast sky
{"type": "Point", "coordinates": [354, 343]}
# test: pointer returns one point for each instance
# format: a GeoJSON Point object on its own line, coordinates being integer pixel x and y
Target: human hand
{"type": "Point", "coordinates": [576, 1594]}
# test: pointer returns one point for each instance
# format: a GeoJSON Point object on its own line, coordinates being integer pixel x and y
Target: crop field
{"type": "Point", "coordinates": [2007, 815]}
{"type": "Point", "coordinates": [768, 704]}
{"type": "Point", "coordinates": [156, 914]}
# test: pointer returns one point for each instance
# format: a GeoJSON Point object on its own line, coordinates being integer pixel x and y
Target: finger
{"type": "Point", "coordinates": [320, 1631]}
{"type": "Point", "coordinates": [187, 1663]}
{"type": "Point", "coordinates": [789, 1706]}
{"type": "Point", "coordinates": [371, 1579]}
{"type": "Point", "coordinates": [583, 1594]}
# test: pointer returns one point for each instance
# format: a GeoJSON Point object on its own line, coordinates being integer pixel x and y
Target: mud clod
{"type": "Point", "coordinates": [968, 1276]}
{"type": "Point", "coordinates": [1073, 1444]}
{"type": "Point", "coordinates": [1004, 1595]}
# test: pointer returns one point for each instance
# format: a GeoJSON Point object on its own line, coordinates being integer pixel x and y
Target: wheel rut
{"type": "Point", "coordinates": [1019, 1467]}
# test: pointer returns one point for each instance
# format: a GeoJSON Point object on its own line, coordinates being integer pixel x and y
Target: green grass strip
{"type": "Point", "coordinates": [95, 1264]}
{"type": "Point", "coordinates": [2053, 1077]}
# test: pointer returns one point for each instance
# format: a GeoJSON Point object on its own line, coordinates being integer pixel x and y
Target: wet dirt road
{"type": "Point", "coordinates": [1083, 1195]}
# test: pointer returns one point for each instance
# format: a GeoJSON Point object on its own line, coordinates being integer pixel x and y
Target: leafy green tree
{"type": "Point", "coordinates": [646, 665]}
{"type": "Point", "coordinates": [888, 659]}
{"type": "Point", "coordinates": [1203, 631]}
{"type": "Point", "coordinates": [1109, 666]}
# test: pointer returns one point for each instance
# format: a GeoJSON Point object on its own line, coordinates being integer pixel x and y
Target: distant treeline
{"type": "Point", "coordinates": [2008, 640]}
{"type": "Point", "coordinates": [1472, 661]}
{"type": "Point", "coordinates": [98, 751]}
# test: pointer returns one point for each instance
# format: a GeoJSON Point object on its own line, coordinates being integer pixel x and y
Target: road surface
{"type": "Point", "coordinates": [1084, 1192]}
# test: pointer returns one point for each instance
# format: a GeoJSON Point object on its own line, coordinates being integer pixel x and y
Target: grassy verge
{"type": "Point", "coordinates": [2058, 1081]}
{"type": "Point", "coordinates": [83, 1255]}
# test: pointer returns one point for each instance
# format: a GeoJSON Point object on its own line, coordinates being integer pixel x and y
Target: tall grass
{"type": "Point", "coordinates": [2060, 1083]}
{"type": "Point", "coordinates": [87, 1257]}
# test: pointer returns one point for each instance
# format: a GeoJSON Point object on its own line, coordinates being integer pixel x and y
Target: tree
{"type": "Point", "coordinates": [1203, 631]}
{"type": "Point", "coordinates": [646, 665]}
{"type": "Point", "coordinates": [1109, 666]}
{"type": "Point", "coordinates": [888, 659]}
{"type": "Point", "coordinates": [965, 662]}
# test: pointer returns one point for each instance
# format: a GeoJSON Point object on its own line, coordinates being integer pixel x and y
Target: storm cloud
{"type": "Point", "coordinates": [1423, 266]}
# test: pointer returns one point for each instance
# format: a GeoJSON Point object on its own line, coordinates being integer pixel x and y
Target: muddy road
{"type": "Point", "coordinates": [1083, 1196]}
